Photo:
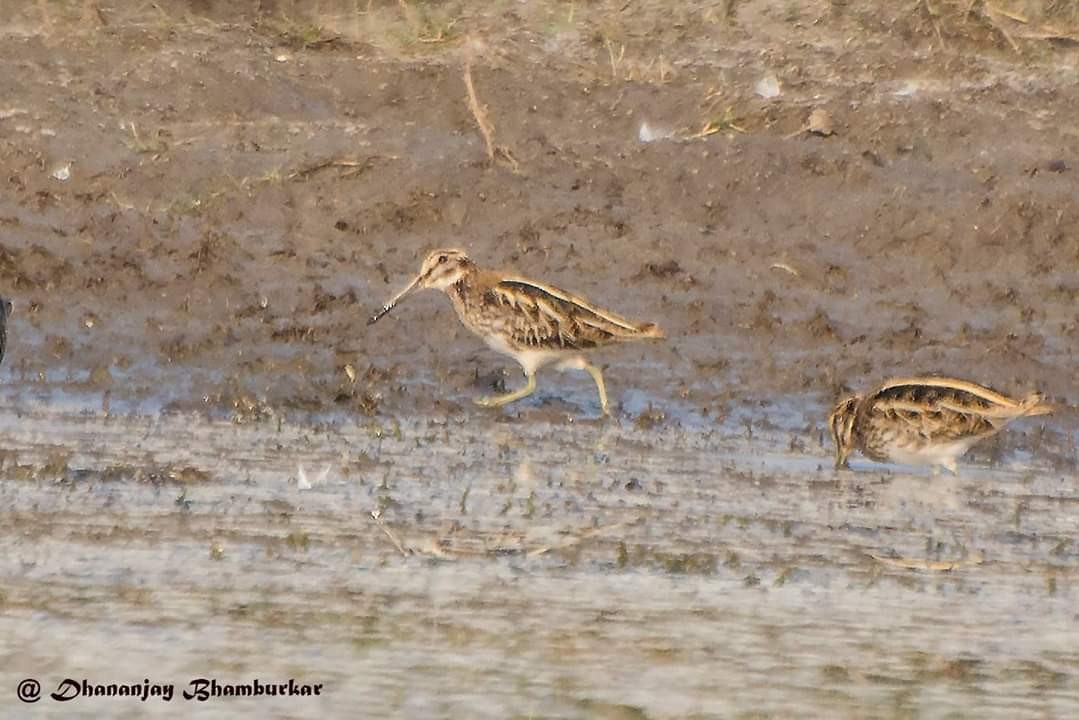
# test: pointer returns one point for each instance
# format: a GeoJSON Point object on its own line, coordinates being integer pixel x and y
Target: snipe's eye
{"type": "Point", "coordinates": [442, 259]}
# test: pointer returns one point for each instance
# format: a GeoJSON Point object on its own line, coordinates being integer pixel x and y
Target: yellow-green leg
{"type": "Point", "coordinates": [500, 400]}
{"type": "Point", "coordinates": [597, 375]}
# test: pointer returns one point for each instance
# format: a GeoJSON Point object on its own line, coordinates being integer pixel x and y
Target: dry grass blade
{"type": "Point", "coordinates": [411, 17]}
{"type": "Point", "coordinates": [358, 166]}
{"type": "Point", "coordinates": [376, 515]}
{"type": "Point", "coordinates": [579, 538]}
{"type": "Point", "coordinates": [616, 59]}
{"type": "Point", "coordinates": [479, 112]}
{"type": "Point", "coordinates": [508, 543]}
{"type": "Point", "coordinates": [785, 268]}
{"type": "Point", "coordinates": [993, 15]}
{"type": "Point", "coordinates": [923, 564]}
{"type": "Point", "coordinates": [933, 19]}
{"type": "Point", "coordinates": [1010, 24]}
{"type": "Point", "coordinates": [319, 42]}
{"type": "Point", "coordinates": [711, 127]}
{"type": "Point", "coordinates": [441, 36]}
{"type": "Point", "coordinates": [1049, 33]}
{"type": "Point", "coordinates": [93, 10]}
{"type": "Point", "coordinates": [1009, 14]}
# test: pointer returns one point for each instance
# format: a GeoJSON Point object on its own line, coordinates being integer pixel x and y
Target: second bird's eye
{"type": "Point", "coordinates": [441, 259]}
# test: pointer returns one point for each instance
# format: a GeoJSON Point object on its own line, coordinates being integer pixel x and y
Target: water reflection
{"type": "Point", "coordinates": [583, 568]}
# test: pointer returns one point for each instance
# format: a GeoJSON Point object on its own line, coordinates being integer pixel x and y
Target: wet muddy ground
{"type": "Point", "coordinates": [214, 468]}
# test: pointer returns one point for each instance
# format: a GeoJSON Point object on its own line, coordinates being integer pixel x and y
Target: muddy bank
{"type": "Point", "coordinates": [240, 196]}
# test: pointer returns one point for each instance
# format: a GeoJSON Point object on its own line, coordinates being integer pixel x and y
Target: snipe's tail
{"type": "Point", "coordinates": [650, 330]}
{"type": "Point", "coordinates": [1034, 404]}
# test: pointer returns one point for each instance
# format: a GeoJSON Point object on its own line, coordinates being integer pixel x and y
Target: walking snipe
{"type": "Point", "coordinates": [534, 323]}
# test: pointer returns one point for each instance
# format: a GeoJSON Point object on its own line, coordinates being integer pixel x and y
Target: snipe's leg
{"type": "Point", "coordinates": [597, 375]}
{"type": "Point", "coordinates": [578, 362]}
{"type": "Point", "coordinates": [950, 465]}
{"type": "Point", "coordinates": [500, 400]}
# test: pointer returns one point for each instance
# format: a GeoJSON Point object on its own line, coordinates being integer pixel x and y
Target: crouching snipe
{"type": "Point", "coordinates": [533, 323]}
{"type": "Point", "coordinates": [924, 420]}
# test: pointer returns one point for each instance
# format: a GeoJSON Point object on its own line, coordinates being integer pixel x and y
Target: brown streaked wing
{"type": "Point", "coordinates": [933, 416]}
{"type": "Point", "coordinates": [547, 317]}
{"type": "Point", "coordinates": [953, 393]}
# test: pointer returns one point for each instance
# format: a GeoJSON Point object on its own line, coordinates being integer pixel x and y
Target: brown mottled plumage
{"type": "Point", "coordinates": [533, 323]}
{"type": "Point", "coordinates": [924, 420]}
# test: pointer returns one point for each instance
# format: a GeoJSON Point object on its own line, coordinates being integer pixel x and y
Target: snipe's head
{"type": "Point", "coordinates": [440, 270]}
{"type": "Point", "coordinates": [443, 268]}
{"type": "Point", "coordinates": [841, 421]}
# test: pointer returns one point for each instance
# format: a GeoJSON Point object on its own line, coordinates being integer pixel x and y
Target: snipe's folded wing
{"type": "Point", "coordinates": [953, 394]}
{"type": "Point", "coordinates": [938, 413]}
{"type": "Point", "coordinates": [542, 316]}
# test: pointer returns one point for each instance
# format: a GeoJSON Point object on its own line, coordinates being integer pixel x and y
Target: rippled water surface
{"type": "Point", "coordinates": [521, 569]}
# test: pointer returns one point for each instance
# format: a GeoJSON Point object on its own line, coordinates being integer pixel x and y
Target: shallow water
{"type": "Point", "coordinates": [585, 570]}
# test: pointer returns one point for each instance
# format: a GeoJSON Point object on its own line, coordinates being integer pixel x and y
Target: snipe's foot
{"type": "Point", "coordinates": [500, 400]}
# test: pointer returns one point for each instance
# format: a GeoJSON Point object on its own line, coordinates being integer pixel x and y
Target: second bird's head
{"type": "Point", "coordinates": [841, 423]}
{"type": "Point", "coordinates": [440, 270]}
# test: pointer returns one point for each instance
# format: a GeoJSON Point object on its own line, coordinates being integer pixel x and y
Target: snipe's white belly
{"type": "Point", "coordinates": [943, 454]}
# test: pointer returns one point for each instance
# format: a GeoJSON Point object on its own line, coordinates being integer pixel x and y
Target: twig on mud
{"type": "Point", "coordinates": [416, 25]}
{"type": "Point", "coordinates": [438, 547]}
{"type": "Point", "coordinates": [712, 127]}
{"type": "Point", "coordinates": [479, 112]}
{"type": "Point", "coordinates": [1008, 14]}
{"type": "Point", "coordinates": [924, 564]}
{"type": "Point", "coordinates": [1042, 33]}
{"type": "Point", "coordinates": [1049, 33]}
{"type": "Point", "coordinates": [358, 165]}
{"type": "Point", "coordinates": [441, 36]}
{"type": "Point", "coordinates": [579, 538]}
{"type": "Point", "coordinates": [616, 61]}
{"type": "Point", "coordinates": [91, 8]}
{"type": "Point", "coordinates": [411, 17]}
{"type": "Point", "coordinates": [435, 550]}
{"type": "Point", "coordinates": [933, 19]}
{"type": "Point", "coordinates": [991, 14]}
{"type": "Point", "coordinates": [376, 515]}
{"type": "Point", "coordinates": [786, 268]}
{"type": "Point", "coordinates": [819, 123]}
{"type": "Point", "coordinates": [319, 42]}
{"type": "Point", "coordinates": [796, 133]}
